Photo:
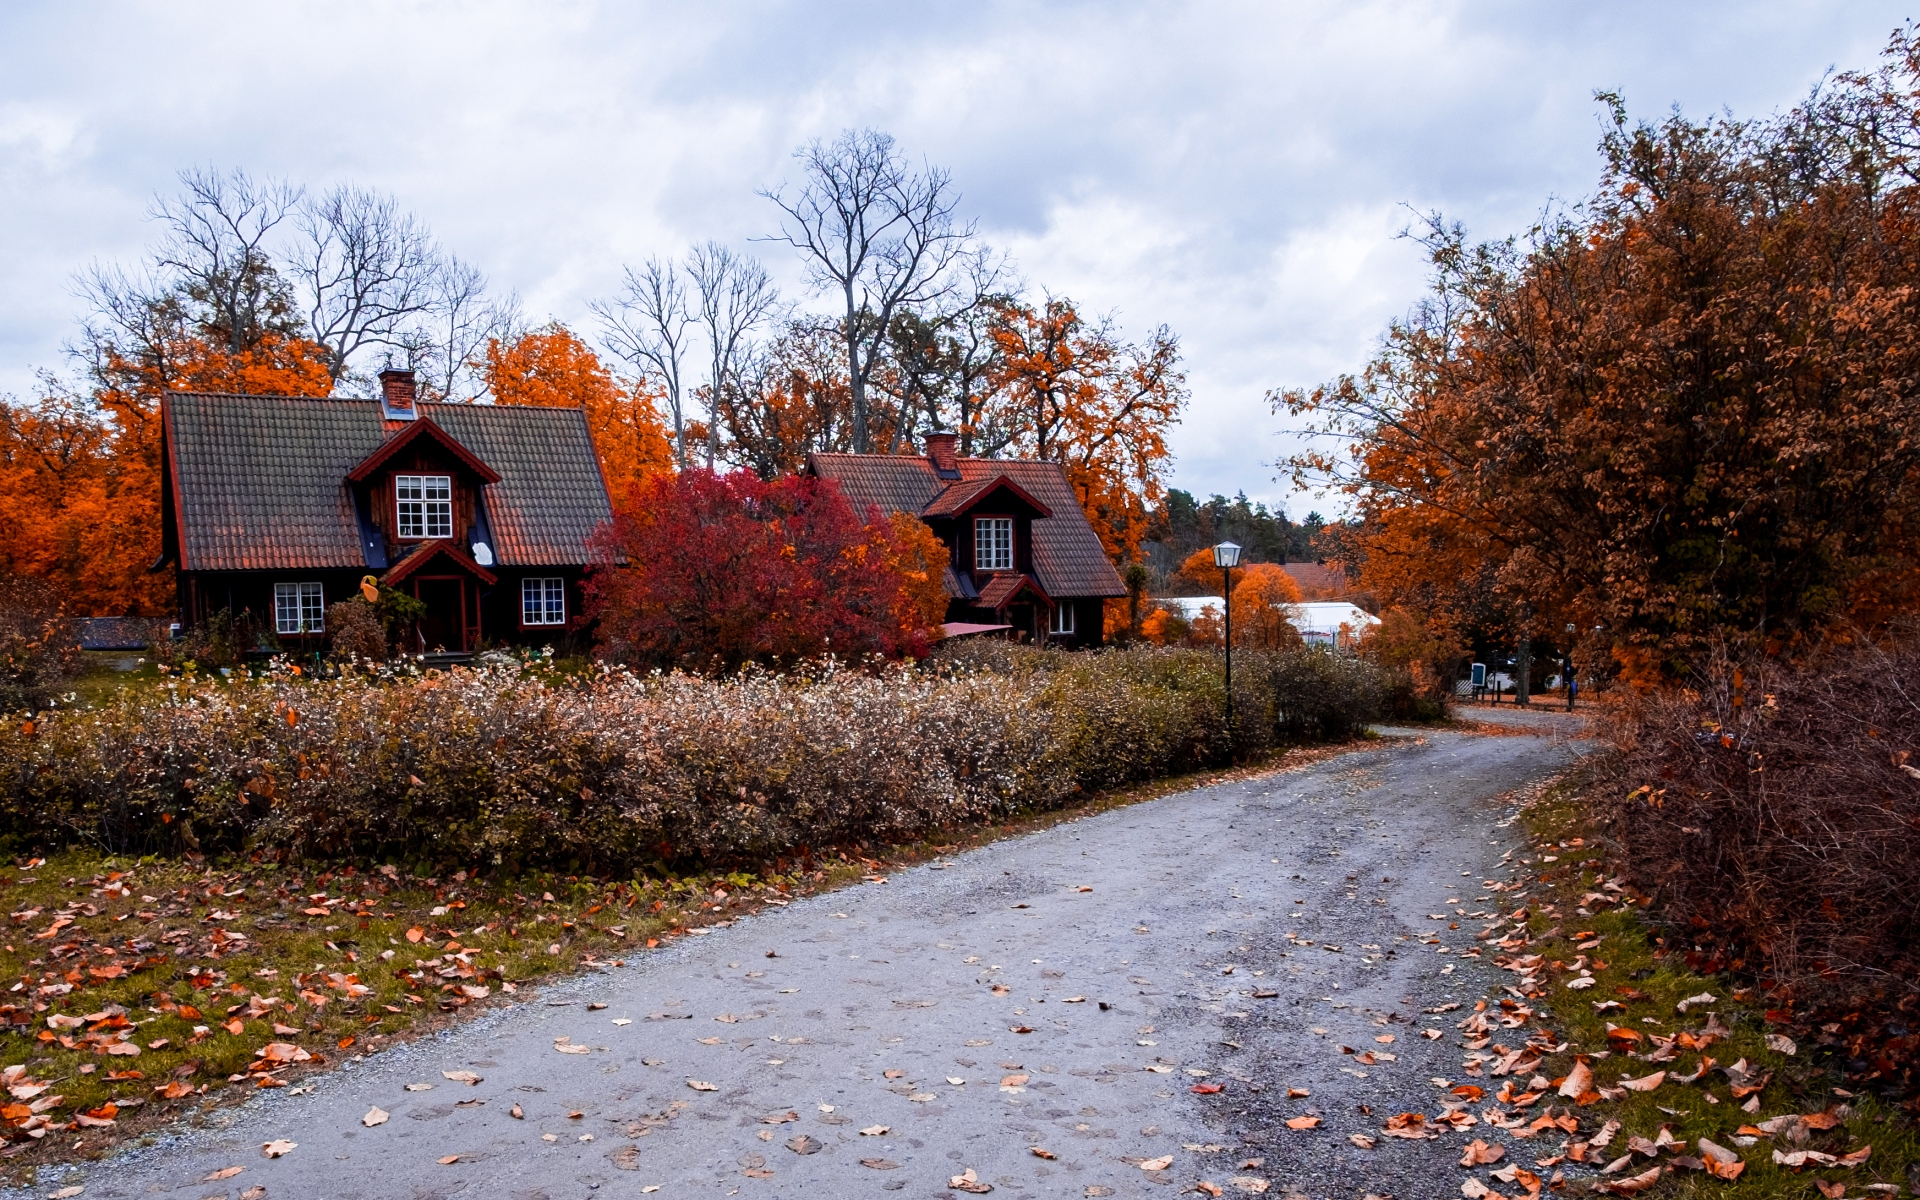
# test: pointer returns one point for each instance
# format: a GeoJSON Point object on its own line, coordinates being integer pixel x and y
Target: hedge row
{"type": "Point", "coordinates": [507, 767]}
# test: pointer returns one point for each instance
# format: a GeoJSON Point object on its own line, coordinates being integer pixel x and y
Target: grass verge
{"type": "Point", "coordinates": [147, 991]}
{"type": "Point", "coordinates": [1727, 1069]}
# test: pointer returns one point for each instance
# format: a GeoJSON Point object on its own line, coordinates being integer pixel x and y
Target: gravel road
{"type": "Point", "coordinates": [1068, 990]}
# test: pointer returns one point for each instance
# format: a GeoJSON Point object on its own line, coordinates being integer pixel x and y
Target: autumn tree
{"type": "Point", "coordinates": [877, 233]}
{"type": "Point", "coordinates": [703, 570]}
{"type": "Point", "coordinates": [1681, 411]}
{"type": "Point", "coordinates": [1262, 620]}
{"type": "Point", "coordinates": [1078, 394]}
{"type": "Point", "coordinates": [554, 368]}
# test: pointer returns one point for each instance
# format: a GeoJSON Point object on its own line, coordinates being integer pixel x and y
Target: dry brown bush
{"type": "Point", "coordinates": [1773, 810]}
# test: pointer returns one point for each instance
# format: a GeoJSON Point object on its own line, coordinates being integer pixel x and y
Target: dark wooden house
{"type": "Point", "coordinates": [1021, 552]}
{"type": "Point", "coordinates": [282, 505]}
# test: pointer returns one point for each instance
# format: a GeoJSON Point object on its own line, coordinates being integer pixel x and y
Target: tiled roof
{"type": "Point", "coordinates": [1003, 588]}
{"type": "Point", "coordinates": [1068, 560]}
{"type": "Point", "coordinates": [1317, 579]}
{"type": "Point", "coordinates": [262, 479]}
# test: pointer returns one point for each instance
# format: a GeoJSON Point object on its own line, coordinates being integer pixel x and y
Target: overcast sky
{"type": "Point", "coordinates": [1235, 171]}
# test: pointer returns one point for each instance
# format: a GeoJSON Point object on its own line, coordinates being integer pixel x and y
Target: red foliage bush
{"type": "Point", "coordinates": [704, 570]}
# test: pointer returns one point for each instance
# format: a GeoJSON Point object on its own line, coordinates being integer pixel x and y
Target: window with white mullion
{"type": "Point", "coordinates": [993, 543]}
{"type": "Point", "coordinates": [299, 608]}
{"type": "Point", "coordinates": [423, 506]}
{"type": "Point", "coordinates": [543, 601]}
{"type": "Point", "coordinates": [1061, 622]}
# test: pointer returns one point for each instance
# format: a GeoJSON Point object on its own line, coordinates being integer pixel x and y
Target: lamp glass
{"type": "Point", "coordinates": [1226, 554]}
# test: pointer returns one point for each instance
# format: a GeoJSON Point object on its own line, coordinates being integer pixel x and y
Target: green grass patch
{"type": "Point", "coordinates": [1619, 944]}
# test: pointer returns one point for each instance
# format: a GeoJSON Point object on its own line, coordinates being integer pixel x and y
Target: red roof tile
{"type": "Point", "coordinates": [1068, 560]}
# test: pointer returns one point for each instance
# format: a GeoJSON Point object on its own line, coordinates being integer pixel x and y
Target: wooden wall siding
{"type": "Point", "coordinates": [423, 458]}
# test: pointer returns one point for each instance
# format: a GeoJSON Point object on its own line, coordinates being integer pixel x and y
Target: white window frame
{"type": "Point", "coordinates": [1060, 622]}
{"type": "Point", "coordinates": [993, 543]}
{"type": "Point", "coordinates": [543, 601]}
{"type": "Point", "coordinates": [422, 507]}
{"type": "Point", "coordinates": [299, 608]}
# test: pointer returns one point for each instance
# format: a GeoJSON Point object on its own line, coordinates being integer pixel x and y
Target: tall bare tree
{"type": "Point", "coordinates": [369, 274]}
{"type": "Point", "coordinates": [879, 232]}
{"type": "Point", "coordinates": [448, 342]}
{"type": "Point", "coordinates": [217, 252]}
{"type": "Point", "coordinates": [734, 295]}
{"type": "Point", "coordinates": [646, 326]}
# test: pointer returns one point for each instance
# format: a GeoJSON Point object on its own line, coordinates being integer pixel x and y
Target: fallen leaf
{"type": "Point", "coordinates": [67, 1193]}
{"type": "Point", "coordinates": [969, 1181]}
{"type": "Point", "coordinates": [803, 1145]}
{"type": "Point", "coordinates": [1645, 1083]}
{"type": "Point", "coordinates": [880, 1164]}
{"type": "Point", "coordinates": [1579, 1081]}
{"type": "Point", "coordinates": [448, 1160]}
{"type": "Point", "coordinates": [375, 1116]}
{"type": "Point", "coordinates": [626, 1158]}
{"type": "Point", "coordinates": [1208, 1089]}
{"type": "Point", "coordinates": [276, 1149]}
{"type": "Point", "coordinates": [1208, 1187]}
{"type": "Point", "coordinates": [1253, 1185]}
{"type": "Point", "coordinates": [874, 1131]}
{"type": "Point", "coordinates": [1362, 1140]}
{"type": "Point", "coordinates": [1042, 1152]}
{"type": "Point", "coordinates": [222, 1173]}
{"type": "Point", "coordinates": [1781, 1044]}
{"type": "Point", "coordinates": [1303, 1122]}
{"type": "Point", "coordinates": [419, 1087]}
{"type": "Point", "coordinates": [1632, 1186]}
{"type": "Point", "coordinates": [1156, 1164]}
{"type": "Point", "coordinates": [1479, 1153]}
{"type": "Point", "coordinates": [701, 1085]}
{"type": "Point", "coordinates": [517, 1113]}
{"type": "Point", "coordinates": [709, 1041]}
{"type": "Point", "coordinates": [466, 1077]}
{"type": "Point", "coordinates": [779, 1118]}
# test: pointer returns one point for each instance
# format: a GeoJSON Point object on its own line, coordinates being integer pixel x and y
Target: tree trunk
{"type": "Point", "coordinates": [1523, 671]}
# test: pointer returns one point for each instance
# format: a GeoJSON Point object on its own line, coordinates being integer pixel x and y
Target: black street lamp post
{"type": "Point", "coordinates": [1226, 556]}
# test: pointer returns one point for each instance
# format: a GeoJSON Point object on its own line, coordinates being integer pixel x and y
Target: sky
{"type": "Point", "coordinates": [1239, 172]}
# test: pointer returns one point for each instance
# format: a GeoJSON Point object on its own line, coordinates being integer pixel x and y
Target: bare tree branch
{"type": "Point", "coordinates": [368, 273]}
{"type": "Point", "coordinates": [646, 326]}
{"type": "Point", "coordinates": [735, 295]}
{"type": "Point", "coordinates": [879, 233]}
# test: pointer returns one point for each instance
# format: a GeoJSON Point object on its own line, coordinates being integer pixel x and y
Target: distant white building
{"type": "Point", "coordinates": [1330, 622]}
{"type": "Point", "coordinates": [1320, 623]}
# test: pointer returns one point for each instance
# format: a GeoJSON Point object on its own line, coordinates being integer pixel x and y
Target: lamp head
{"type": "Point", "coordinates": [1226, 554]}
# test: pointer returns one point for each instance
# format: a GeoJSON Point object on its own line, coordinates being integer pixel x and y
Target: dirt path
{"type": "Point", "coordinates": [1081, 981]}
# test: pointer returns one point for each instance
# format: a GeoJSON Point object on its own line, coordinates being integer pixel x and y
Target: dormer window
{"type": "Point", "coordinates": [993, 543]}
{"type": "Point", "coordinates": [424, 506]}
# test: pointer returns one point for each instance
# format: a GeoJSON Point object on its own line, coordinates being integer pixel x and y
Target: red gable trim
{"type": "Point", "coordinates": [960, 497]}
{"type": "Point", "coordinates": [426, 553]}
{"type": "Point", "coordinates": [422, 428]}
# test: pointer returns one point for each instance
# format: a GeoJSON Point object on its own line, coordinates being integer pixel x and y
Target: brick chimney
{"type": "Point", "coordinates": [397, 395]}
{"type": "Point", "coordinates": [940, 452]}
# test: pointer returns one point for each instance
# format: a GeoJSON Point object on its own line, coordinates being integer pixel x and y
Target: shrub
{"type": "Point", "coordinates": [354, 629]}
{"type": "Point", "coordinates": [1771, 810]}
{"type": "Point", "coordinates": [39, 642]}
{"type": "Point", "coordinates": [610, 771]}
{"type": "Point", "coordinates": [702, 570]}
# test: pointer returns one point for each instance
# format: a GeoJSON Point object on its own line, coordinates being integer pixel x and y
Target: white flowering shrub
{"type": "Point", "coordinates": [508, 765]}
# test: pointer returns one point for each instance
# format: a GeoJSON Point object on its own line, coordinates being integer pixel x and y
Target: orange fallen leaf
{"type": "Point", "coordinates": [1479, 1153]}
{"type": "Point", "coordinates": [1303, 1122]}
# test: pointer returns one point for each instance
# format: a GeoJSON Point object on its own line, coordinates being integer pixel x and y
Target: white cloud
{"type": "Point", "coordinates": [1234, 170]}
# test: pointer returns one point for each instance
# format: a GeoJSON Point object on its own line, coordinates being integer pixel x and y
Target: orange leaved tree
{"type": "Point", "coordinates": [1077, 394]}
{"type": "Point", "coordinates": [1681, 413]}
{"type": "Point", "coordinates": [553, 367]}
